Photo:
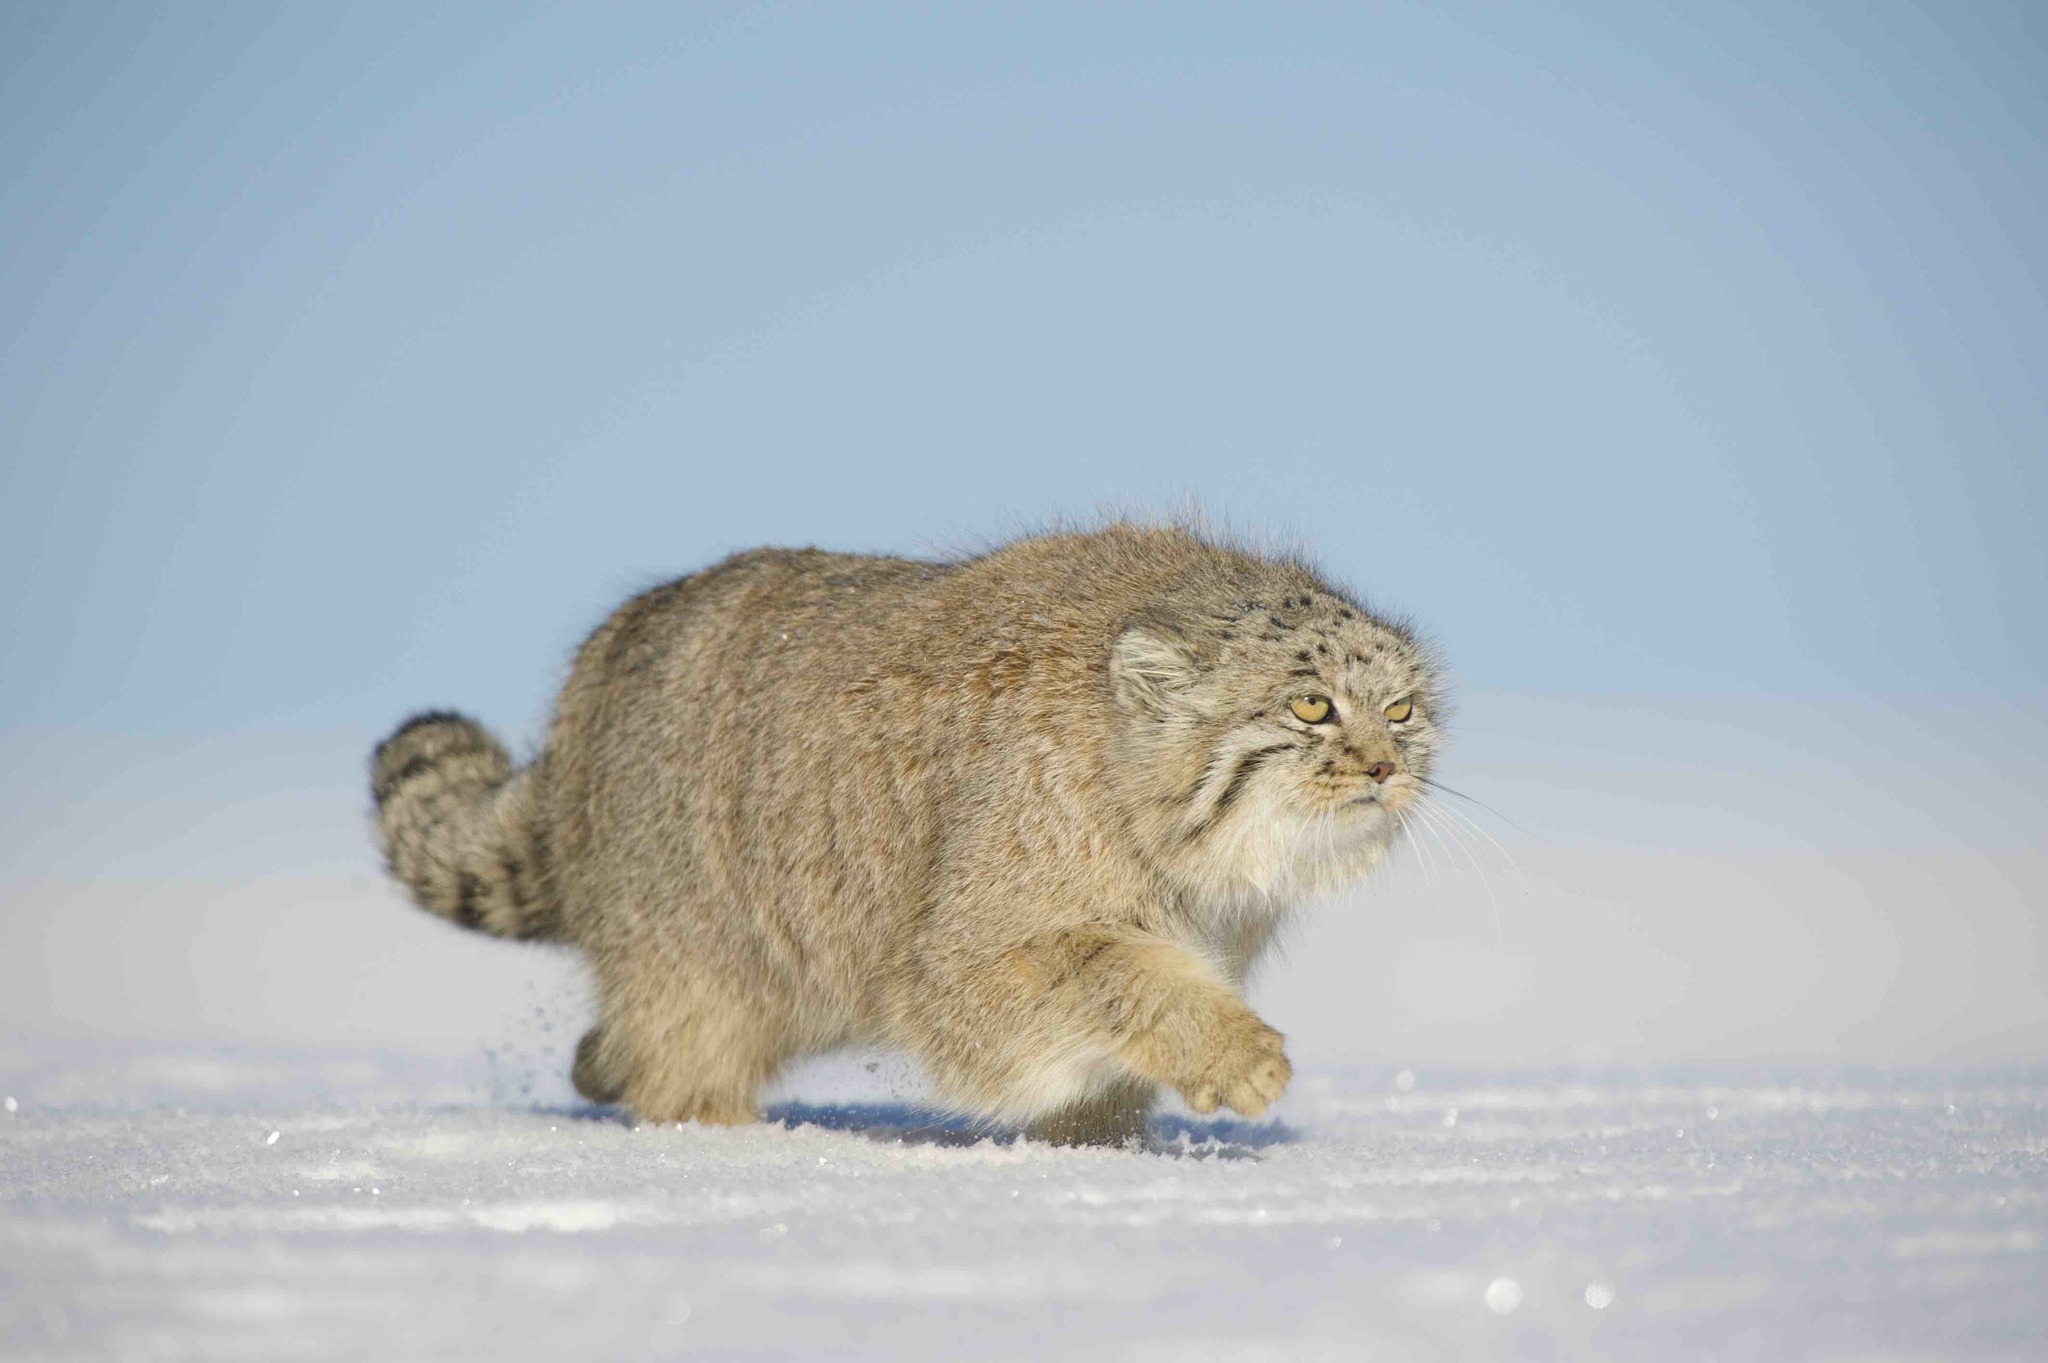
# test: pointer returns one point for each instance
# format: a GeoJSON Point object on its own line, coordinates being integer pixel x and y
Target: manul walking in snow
{"type": "Point", "coordinates": [1029, 816]}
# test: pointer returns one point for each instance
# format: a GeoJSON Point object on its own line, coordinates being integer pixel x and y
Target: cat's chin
{"type": "Point", "coordinates": [1366, 817]}
{"type": "Point", "coordinates": [1307, 857]}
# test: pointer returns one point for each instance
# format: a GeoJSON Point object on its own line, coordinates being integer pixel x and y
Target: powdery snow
{"type": "Point", "coordinates": [233, 1205]}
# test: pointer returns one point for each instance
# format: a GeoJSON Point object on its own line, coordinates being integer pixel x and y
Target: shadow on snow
{"type": "Point", "coordinates": [1176, 1135]}
{"type": "Point", "coordinates": [907, 1124]}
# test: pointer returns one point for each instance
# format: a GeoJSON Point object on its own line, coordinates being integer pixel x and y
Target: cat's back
{"type": "Point", "coordinates": [771, 626]}
{"type": "Point", "coordinates": [810, 722]}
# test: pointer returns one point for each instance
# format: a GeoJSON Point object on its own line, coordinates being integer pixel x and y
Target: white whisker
{"type": "Point", "coordinates": [1422, 856]}
{"type": "Point", "coordinates": [1439, 786]}
{"type": "Point", "coordinates": [1429, 825]}
{"type": "Point", "coordinates": [1473, 824]}
{"type": "Point", "coordinates": [1500, 940]}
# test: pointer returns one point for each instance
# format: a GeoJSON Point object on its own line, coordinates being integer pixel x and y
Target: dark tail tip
{"type": "Point", "coordinates": [421, 743]}
{"type": "Point", "coordinates": [420, 721]}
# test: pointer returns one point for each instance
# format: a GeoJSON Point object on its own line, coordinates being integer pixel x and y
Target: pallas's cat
{"type": "Point", "coordinates": [1028, 816]}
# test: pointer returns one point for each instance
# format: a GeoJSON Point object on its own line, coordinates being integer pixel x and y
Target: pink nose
{"type": "Point", "coordinates": [1379, 772]}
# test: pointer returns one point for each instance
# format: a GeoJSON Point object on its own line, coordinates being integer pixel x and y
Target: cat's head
{"type": "Point", "coordinates": [1276, 734]}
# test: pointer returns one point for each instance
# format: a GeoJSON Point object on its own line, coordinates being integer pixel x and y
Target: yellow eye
{"type": "Point", "coordinates": [1310, 709]}
{"type": "Point", "coordinates": [1398, 711]}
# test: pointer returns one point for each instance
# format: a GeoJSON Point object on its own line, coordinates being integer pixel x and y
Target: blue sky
{"type": "Point", "coordinates": [356, 360]}
{"type": "Point", "coordinates": [1679, 371]}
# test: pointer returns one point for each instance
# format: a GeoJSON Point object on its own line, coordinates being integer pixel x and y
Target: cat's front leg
{"type": "Point", "coordinates": [1211, 1047]}
{"type": "Point", "coordinates": [1168, 1016]}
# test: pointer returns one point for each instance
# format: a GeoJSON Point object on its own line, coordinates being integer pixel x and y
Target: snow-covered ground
{"type": "Point", "coordinates": [212, 909]}
{"type": "Point", "coordinates": [227, 1203]}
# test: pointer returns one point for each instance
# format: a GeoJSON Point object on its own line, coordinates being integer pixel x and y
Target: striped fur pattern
{"type": "Point", "coordinates": [1030, 816]}
{"type": "Point", "coordinates": [458, 827]}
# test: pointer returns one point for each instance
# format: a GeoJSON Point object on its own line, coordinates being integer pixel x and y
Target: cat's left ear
{"type": "Point", "coordinates": [1151, 670]}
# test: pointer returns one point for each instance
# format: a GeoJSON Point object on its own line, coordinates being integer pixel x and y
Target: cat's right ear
{"type": "Point", "coordinates": [1151, 672]}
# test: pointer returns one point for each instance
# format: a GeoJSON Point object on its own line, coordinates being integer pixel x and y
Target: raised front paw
{"type": "Point", "coordinates": [1216, 1052]}
{"type": "Point", "coordinates": [1246, 1071]}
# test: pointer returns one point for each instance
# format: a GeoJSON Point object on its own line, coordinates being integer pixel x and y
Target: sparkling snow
{"type": "Point", "coordinates": [233, 1204]}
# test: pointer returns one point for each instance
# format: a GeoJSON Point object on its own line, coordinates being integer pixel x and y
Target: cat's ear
{"type": "Point", "coordinates": [1151, 670]}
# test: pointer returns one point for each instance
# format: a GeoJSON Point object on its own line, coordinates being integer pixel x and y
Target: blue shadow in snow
{"type": "Point", "coordinates": [1174, 1135]}
{"type": "Point", "coordinates": [1171, 1134]}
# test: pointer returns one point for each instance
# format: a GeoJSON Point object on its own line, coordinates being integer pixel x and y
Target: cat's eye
{"type": "Point", "coordinates": [1310, 709]}
{"type": "Point", "coordinates": [1397, 712]}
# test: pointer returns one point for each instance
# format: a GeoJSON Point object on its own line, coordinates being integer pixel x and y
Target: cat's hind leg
{"type": "Point", "coordinates": [685, 1056]}
{"type": "Point", "coordinates": [1114, 1116]}
{"type": "Point", "coordinates": [591, 1073]}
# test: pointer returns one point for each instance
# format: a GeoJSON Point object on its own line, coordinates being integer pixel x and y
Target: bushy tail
{"type": "Point", "coordinates": [460, 827]}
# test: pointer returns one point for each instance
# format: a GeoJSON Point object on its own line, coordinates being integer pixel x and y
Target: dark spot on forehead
{"type": "Point", "coordinates": [1302, 656]}
{"type": "Point", "coordinates": [1345, 614]}
{"type": "Point", "coordinates": [1275, 620]}
{"type": "Point", "coordinates": [1323, 649]}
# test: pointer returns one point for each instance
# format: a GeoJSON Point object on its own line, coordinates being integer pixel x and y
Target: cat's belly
{"type": "Point", "coordinates": [1062, 1082]}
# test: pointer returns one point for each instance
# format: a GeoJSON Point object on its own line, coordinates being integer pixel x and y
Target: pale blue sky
{"type": "Point", "coordinates": [1681, 372]}
{"type": "Point", "coordinates": [358, 358]}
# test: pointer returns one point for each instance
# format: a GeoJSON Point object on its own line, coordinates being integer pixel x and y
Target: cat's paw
{"type": "Point", "coordinates": [1246, 1070]}
{"type": "Point", "coordinates": [1214, 1050]}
